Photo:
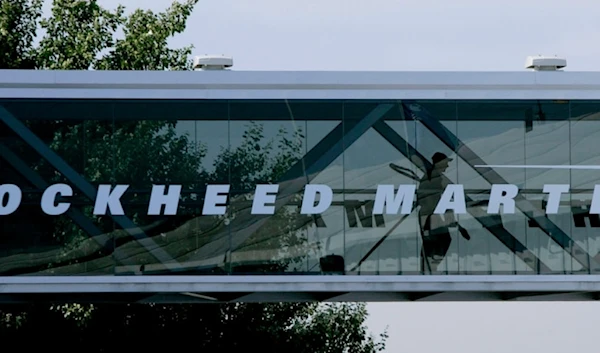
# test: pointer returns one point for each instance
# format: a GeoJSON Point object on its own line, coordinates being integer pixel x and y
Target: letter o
{"type": "Point", "coordinates": [14, 198]}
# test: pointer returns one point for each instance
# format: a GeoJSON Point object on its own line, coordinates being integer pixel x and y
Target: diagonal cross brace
{"type": "Point", "coordinates": [316, 160]}
{"type": "Point", "coordinates": [293, 181]}
{"type": "Point", "coordinates": [504, 236]}
{"type": "Point", "coordinates": [36, 180]}
{"type": "Point", "coordinates": [490, 175]}
{"type": "Point", "coordinates": [77, 216]}
{"type": "Point", "coordinates": [333, 145]}
{"type": "Point", "coordinates": [79, 181]}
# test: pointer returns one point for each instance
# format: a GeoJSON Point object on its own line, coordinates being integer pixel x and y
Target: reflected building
{"type": "Point", "coordinates": [349, 131]}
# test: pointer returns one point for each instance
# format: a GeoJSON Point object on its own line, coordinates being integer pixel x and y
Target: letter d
{"type": "Point", "coordinates": [310, 195]}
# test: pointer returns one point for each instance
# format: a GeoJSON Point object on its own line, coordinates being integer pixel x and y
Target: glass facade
{"type": "Point", "coordinates": [351, 146]}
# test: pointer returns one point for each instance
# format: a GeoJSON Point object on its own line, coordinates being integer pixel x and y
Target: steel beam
{"type": "Point", "coordinates": [498, 230]}
{"type": "Point", "coordinates": [311, 164]}
{"type": "Point", "coordinates": [76, 215]}
{"type": "Point", "coordinates": [88, 190]}
{"type": "Point", "coordinates": [333, 145]}
{"type": "Point", "coordinates": [211, 285]}
{"type": "Point", "coordinates": [490, 175]}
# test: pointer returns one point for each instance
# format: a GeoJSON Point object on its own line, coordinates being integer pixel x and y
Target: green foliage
{"type": "Point", "coordinates": [137, 153]}
{"type": "Point", "coordinates": [257, 161]}
{"type": "Point", "coordinates": [333, 326]}
{"type": "Point", "coordinates": [144, 46]}
{"type": "Point", "coordinates": [18, 27]}
{"type": "Point", "coordinates": [83, 35]}
{"type": "Point", "coordinates": [269, 328]}
{"type": "Point", "coordinates": [260, 161]}
{"type": "Point", "coordinates": [76, 33]}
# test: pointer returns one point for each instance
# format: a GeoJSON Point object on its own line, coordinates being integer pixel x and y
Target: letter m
{"type": "Point", "coordinates": [401, 201]}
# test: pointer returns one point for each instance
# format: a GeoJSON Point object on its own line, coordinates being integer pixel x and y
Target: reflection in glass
{"type": "Point", "coordinates": [584, 134]}
{"type": "Point", "coordinates": [76, 242]}
{"type": "Point", "coordinates": [261, 153]}
{"type": "Point", "coordinates": [547, 143]}
{"type": "Point", "coordinates": [373, 242]}
{"type": "Point", "coordinates": [490, 141]}
{"type": "Point", "coordinates": [435, 229]}
{"type": "Point", "coordinates": [147, 153]}
{"type": "Point", "coordinates": [350, 146]}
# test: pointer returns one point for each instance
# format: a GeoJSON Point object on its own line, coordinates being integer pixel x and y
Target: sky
{"type": "Point", "coordinates": [424, 35]}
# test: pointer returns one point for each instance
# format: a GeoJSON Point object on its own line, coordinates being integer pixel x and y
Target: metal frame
{"type": "Point", "coordinates": [214, 289]}
{"type": "Point", "coordinates": [78, 181]}
{"type": "Point", "coordinates": [301, 173]}
{"type": "Point", "coordinates": [298, 85]}
{"type": "Point", "coordinates": [323, 154]}
{"type": "Point", "coordinates": [17, 84]}
{"type": "Point", "coordinates": [490, 175]}
{"type": "Point", "coordinates": [497, 230]}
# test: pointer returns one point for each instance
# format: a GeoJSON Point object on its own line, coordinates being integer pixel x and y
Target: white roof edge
{"type": "Point", "coordinates": [300, 84]}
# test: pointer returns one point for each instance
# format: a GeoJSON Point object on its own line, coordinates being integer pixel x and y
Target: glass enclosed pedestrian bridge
{"type": "Point", "coordinates": [218, 186]}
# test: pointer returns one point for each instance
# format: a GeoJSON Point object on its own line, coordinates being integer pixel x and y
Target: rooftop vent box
{"type": "Point", "coordinates": [212, 62]}
{"type": "Point", "coordinates": [545, 63]}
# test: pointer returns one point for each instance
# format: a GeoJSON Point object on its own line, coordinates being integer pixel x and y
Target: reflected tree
{"type": "Point", "coordinates": [261, 161]}
{"type": "Point", "coordinates": [83, 35]}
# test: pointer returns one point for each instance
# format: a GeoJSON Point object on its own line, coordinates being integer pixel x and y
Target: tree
{"type": "Point", "coordinates": [81, 35]}
{"type": "Point", "coordinates": [18, 27]}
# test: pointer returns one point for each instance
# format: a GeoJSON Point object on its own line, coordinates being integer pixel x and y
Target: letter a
{"type": "Point", "coordinates": [446, 202]}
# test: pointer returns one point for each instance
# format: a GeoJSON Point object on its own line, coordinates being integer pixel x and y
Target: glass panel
{"type": "Point", "coordinates": [499, 143]}
{"type": "Point", "coordinates": [202, 241]}
{"type": "Point", "coordinates": [406, 239]}
{"type": "Point", "coordinates": [326, 231]}
{"type": "Point", "coordinates": [547, 144]}
{"type": "Point", "coordinates": [268, 143]}
{"type": "Point", "coordinates": [492, 134]}
{"type": "Point", "coordinates": [585, 132]}
{"type": "Point", "coordinates": [68, 241]}
{"type": "Point", "coordinates": [372, 242]}
{"type": "Point", "coordinates": [374, 239]}
{"type": "Point", "coordinates": [342, 144]}
{"type": "Point", "coordinates": [435, 143]}
{"type": "Point", "coordinates": [159, 144]}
